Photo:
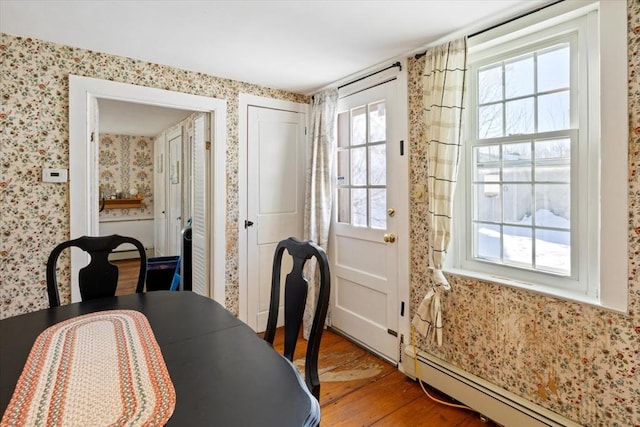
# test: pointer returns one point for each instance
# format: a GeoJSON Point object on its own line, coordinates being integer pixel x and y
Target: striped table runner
{"type": "Point", "coordinates": [100, 369]}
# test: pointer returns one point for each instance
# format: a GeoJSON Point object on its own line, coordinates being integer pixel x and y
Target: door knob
{"type": "Point", "coordinates": [390, 238]}
{"type": "Point", "coordinates": [391, 212]}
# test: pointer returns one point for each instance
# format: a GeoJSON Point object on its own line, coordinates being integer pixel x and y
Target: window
{"type": "Point", "coordinates": [522, 157]}
{"type": "Point", "coordinates": [362, 172]}
{"type": "Point", "coordinates": [529, 207]}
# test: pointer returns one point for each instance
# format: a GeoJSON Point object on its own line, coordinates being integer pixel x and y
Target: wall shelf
{"type": "Point", "coordinates": [122, 203]}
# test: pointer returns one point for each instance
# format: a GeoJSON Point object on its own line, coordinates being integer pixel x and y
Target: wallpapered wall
{"type": "Point", "coordinates": [576, 360]}
{"type": "Point", "coordinates": [34, 128]}
{"type": "Point", "coordinates": [125, 163]}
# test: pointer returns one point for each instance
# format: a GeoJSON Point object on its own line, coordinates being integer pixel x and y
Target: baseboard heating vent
{"type": "Point", "coordinates": [493, 402]}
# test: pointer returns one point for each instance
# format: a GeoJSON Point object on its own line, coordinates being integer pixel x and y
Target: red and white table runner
{"type": "Point", "coordinates": [99, 369]}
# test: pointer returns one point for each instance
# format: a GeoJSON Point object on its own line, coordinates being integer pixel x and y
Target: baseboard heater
{"type": "Point", "coordinates": [489, 400]}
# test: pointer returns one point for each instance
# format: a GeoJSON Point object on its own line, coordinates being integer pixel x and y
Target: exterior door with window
{"type": "Point", "coordinates": [364, 248]}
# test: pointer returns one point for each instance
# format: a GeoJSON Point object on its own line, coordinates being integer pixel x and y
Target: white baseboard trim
{"type": "Point", "coordinates": [132, 254]}
{"type": "Point", "coordinates": [495, 403]}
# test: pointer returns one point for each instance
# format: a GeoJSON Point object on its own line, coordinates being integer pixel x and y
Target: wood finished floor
{"type": "Point", "coordinates": [127, 276]}
{"type": "Point", "coordinates": [358, 388]}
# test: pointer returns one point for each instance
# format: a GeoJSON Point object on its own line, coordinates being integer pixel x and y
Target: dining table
{"type": "Point", "coordinates": [222, 372]}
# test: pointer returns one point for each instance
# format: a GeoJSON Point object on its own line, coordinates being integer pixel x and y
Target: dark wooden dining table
{"type": "Point", "coordinates": [224, 374]}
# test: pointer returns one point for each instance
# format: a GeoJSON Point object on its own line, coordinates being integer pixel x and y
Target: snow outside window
{"type": "Point", "coordinates": [529, 205]}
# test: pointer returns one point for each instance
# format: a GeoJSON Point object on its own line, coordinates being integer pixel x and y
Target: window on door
{"type": "Point", "coordinates": [362, 172]}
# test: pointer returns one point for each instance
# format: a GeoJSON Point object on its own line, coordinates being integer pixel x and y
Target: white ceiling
{"type": "Point", "coordinates": [127, 118]}
{"type": "Point", "coordinates": [296, 45]}
{"type": "Point", "coordinates": [300, 46]}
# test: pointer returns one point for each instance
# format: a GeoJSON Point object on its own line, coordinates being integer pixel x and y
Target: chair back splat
{"type": "Point", "coordinates": [295, 297]}
{"type": "Point", "coordinates": [99, 278]}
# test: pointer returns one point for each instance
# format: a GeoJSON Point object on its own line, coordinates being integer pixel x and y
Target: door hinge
{"type": "Point", "coordinates": [402, 147]}
{"type": "Point", "coordinates": [207, 145]}
{"type": "Point", "coordinates": [392, 332]}
{"type": "Point", "coordinates": [401, 344]}
{"type": "Point", "coordinates": [248, 223]}
{"type": "Point", "coordinates": [402, 309]}
{"type": "Point", "coordinates": [305, 130]}
{"type": "Point", "coordinates": [92, 136]}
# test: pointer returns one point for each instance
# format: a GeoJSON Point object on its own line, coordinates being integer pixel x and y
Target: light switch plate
{"type": "Point", "coordinates": [54, 175]}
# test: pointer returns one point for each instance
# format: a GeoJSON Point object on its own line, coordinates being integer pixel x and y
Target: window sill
{"type": "Point", "coordinates": [547, 291]}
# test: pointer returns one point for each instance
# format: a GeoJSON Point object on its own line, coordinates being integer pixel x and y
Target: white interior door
{"type": "Point", "coordinates": [94, 156]}
{"type": "Point", "coordinates": [367, 220]}
{"type": "Point", "coordinates": [174, 202]}
{"type": "Point", "coordinates": [159, 196]}
{"type": "Point", "coordinates": [275, 197]}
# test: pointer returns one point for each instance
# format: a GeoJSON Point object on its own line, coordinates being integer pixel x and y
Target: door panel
{"type": "Point", "coordinates": [159, 197]}
{"type": "Point", "coordinates": [364, 261]}
{"type": "Point", "coordinates": [200, 225]}
{"type": "Point", "coordinates": [275, 205]}
{"type": "Point", "coordinates": [174, 203]}
{"type": "Point", "coordinates": [361, 256]}
{"type": "Point", "coordinates": [364, 299]}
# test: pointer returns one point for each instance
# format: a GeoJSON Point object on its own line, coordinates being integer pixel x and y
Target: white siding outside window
{"type": "Point", "coordinates": [531, 205]}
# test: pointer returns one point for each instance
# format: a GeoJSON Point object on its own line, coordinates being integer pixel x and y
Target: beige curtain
{"type": "Point", "coordinates": [319, 194]}
{"type": "Point", "coordinates": [444, 86]}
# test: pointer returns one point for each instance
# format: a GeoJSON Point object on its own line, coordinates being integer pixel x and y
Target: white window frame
{"type": "Point", "coordinates": [600, 275]}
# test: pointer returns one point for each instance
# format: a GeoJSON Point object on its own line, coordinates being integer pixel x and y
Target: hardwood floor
{"type": "Point", "coordinates": [127, 276]}
{"type": "Point", "coordinates": [358, 388]}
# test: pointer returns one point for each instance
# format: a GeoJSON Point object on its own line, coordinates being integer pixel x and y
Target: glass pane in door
{"type": "Point", "coordinates": [362, 166]}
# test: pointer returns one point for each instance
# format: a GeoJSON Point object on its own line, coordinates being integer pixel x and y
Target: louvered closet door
{"type": "Point", "coordinates": [199, 228]}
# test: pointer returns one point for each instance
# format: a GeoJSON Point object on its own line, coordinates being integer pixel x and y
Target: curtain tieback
{"type": "Point", "coordinates": [428, 318]}
{"type": "Point", "coordinates": [439, 280]}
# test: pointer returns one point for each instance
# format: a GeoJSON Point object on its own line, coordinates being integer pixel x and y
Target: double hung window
{"type": "Point", "coordinates": [528, 209]}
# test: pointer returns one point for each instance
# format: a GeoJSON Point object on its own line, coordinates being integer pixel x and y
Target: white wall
{"type": "Point", "coordinates": [141, 229]}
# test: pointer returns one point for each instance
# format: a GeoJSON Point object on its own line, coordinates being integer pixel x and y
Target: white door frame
{"type": "Point", "coordinates": [246, 100]}
{"type": "Point", "coordinates": [84, 204]}
{"type": "Point", "coordinates": [404, 255]}
{"type": "Point", "coordinates": [175, 196]}
{"type": "Point", "coordinates": [159, 195]}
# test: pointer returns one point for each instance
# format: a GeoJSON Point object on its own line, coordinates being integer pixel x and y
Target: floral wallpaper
{"type": "Point", "coordinates": [34, 133]}
{"type": "Point", "coordinates": [576, 360]}
{"type": "Point", "coordinates": [126, 163]}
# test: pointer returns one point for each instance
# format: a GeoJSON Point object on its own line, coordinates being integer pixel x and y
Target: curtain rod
{"type": "Point", "coordinates": [477, 33]}
{"type": "Point", "coordinates": [397, 64]}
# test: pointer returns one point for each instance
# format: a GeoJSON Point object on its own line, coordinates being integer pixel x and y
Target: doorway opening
{"type": "Point", "coordinates": [131, 146]}
{"type": "Point", "coordinates": [83, 160]}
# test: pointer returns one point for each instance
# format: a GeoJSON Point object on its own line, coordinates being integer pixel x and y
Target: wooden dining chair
{"type": "Point", "coordinates": [295, 297]}
{"type": "Point", "coordinates": [100, 277]}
